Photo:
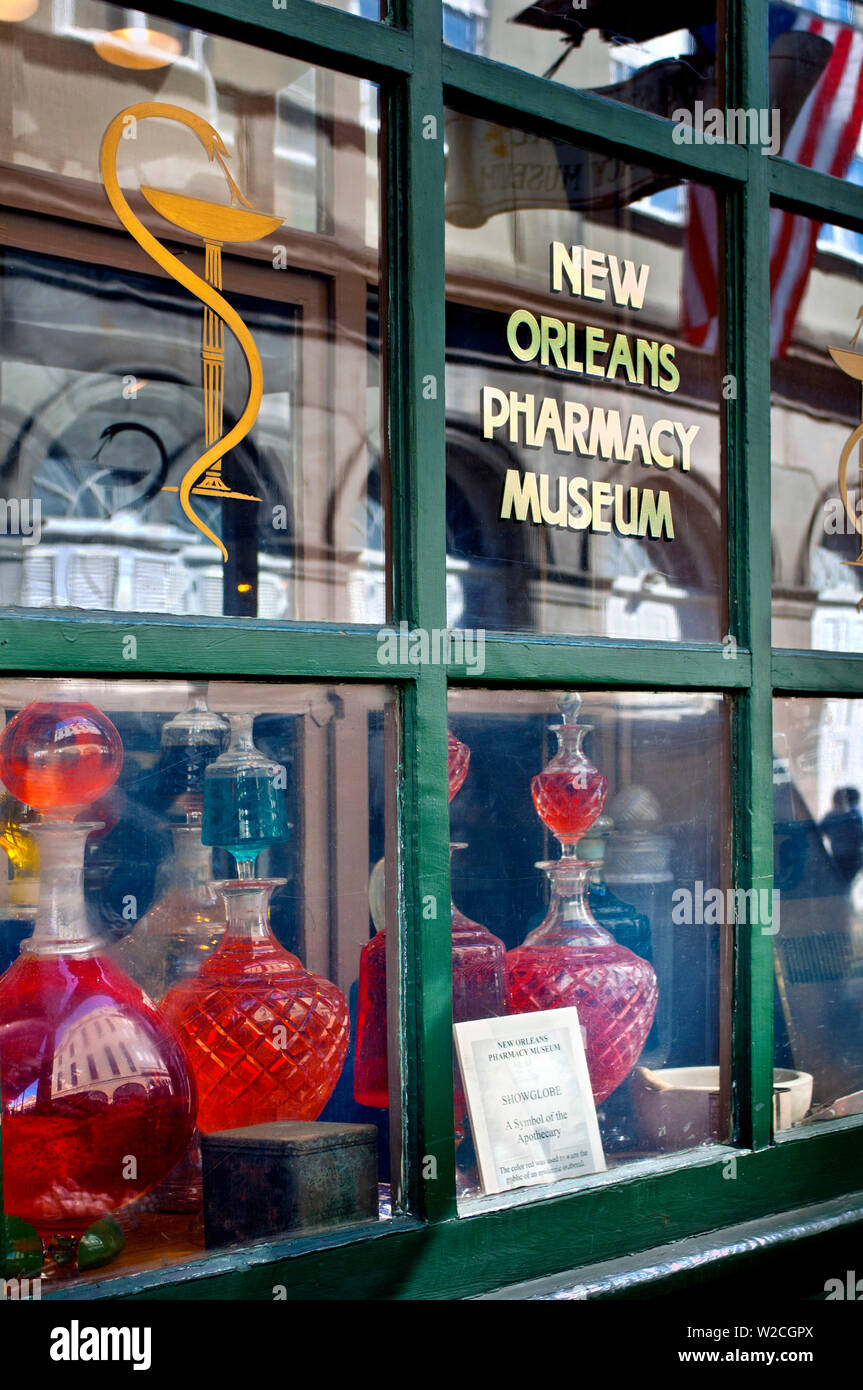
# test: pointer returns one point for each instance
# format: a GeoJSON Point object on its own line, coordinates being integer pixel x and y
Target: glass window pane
{"type": "Point", "coordinates": [610, 897]}
{"type": "Point", "coordinates": [816, 377]}
{"type": "Point", "coordinates": [185, 1002]}
{"type": "Point", "coordinates": [190, 417]}
{"type": "Point", "coordinates": [661, 59]}
{"type": "Point", "coordinates": [818, 958]}
{"type": "Point", "coordinates": [584, 384]}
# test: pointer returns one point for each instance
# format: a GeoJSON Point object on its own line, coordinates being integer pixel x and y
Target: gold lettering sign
{"type": "Point", "coordinates": [215, 224]}
{"type": "Point", "coordinates": [572, 427]}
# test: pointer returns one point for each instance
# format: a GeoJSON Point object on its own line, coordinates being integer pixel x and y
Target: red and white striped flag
{"type": "Point", "coordinates": [824, 137]}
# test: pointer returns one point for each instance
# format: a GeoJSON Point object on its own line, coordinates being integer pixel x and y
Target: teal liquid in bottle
{"type": "Point", "coordinates": [244, 799]}
{"type": "Point", "coordinates": [244, 814]}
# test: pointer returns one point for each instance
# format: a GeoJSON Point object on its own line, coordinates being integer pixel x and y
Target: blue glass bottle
{"type": "Point", "coordinates": [244, 799]}
{"type": "Point", "coordinates": [632, 929]}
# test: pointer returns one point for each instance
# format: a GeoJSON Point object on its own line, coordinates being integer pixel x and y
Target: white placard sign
{"type": "Point", "coordinates": [529, 1098]}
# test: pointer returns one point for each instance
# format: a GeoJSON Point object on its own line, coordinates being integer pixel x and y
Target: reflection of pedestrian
{"type": "Point", "coordinates": [843, 827]}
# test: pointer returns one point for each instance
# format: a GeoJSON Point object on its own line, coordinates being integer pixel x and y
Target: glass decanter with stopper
{"type": "Point", "coordinates": [265, 1038]}
{"type": "Point", "coordinates": [478, 982]}
{"type": "Point", "coordinates": [187, 921]}
{"type": "Point", "coordinates": [244, 801]}
{"type": "Point", "coordinates": [626, 924]}
{"type": "Point", "coordinates": [98, 1102]}
{"type": "Point", "coordinates": [569, 960]}
{"type": "Point", "coordinates": [189, 743]}
{"type": "Point", "coordinates": [185, 924]}
{"type": "Point", "coordinates": [569, 793]}
{"type": "Point", "coordinates": [630, 928]}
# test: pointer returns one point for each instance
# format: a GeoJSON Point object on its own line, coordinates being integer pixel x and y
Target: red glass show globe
{"type": "Point", "coordinates": [59, 756]}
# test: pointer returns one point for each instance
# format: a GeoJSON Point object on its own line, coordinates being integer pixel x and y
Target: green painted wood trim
{"type": "Point", "coordinates": [593, 662]}
{"type": "Point", "coordinates": [417, 425]}
{"type": "Point", "coordinates": [780, 1248]}
{"type": "Point", "coordinates": [215, 647]}
{"type": "Point", "coordinates": [808, 191]}
{"type": "Point", "coordinates": [480, 86]}
{"type": "Point", "coordinates": [302, 29]}
{"type": "Point", "coordinates": [817, 673]}
{"type": "Point", "coordinates": [747, 266]}
{"type": "Point", "coordinates": [618, 1214]}
{"type": "Point", "coordinates": [34, 642]}
{"type": "Point", "coordinates": [426, 907]}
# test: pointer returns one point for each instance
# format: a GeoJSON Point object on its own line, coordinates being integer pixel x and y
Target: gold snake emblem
{"type": "Point", "coordinates": [215, 224]}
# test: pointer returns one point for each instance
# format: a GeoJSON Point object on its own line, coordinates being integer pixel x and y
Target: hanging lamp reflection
{"type": "Point", "coordinates": [138, 48]}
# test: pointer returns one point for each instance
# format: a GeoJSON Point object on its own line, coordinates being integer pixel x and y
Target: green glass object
{"type": "Point", "coordinates": [244, 799]}
{"type": "Point", "coordinates": [22, 1249]}
{"type": "Point", "coordinates": [98, 1246]}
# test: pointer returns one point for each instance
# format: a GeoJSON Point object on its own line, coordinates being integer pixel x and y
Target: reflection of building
{"type": "Point", "coordinates": [551, 578]}
{"type": "Point", "coordinates": [125, 564]}
{"type": "Point", "coordinates": [101, 1052]}
{"type": "Point", "coordinates": [815, 409]}
{"type": "Point", "coordinates": [103, 344]}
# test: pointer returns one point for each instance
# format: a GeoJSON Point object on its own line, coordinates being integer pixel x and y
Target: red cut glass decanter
{"type": "Point", "coordinates": [570, 960]}
{"type": "Point", "coordinates": [478, 980]}
{"type": "Point", "coordinates": [478, 991]}
{"type": "Point", "coordinates": [265, 1038]}
{"type": "Point", "coordinates": [98, 1103]}
{"type": "Point", "coordinates": [569, 793]}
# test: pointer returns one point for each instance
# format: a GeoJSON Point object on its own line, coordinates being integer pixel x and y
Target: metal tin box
{"type": "Point", "coordinates": [287, 1176]}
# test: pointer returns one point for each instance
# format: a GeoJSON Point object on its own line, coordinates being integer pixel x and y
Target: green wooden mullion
{"type": "Point", "coordinates": [629, 1211]}
{"type": "Point", "coordinates": [416, 329]}
{"type": "Point", "coordinates": [300, 29]}
{"type": "Point", "coordinates": [32, 643]}
{"type": "Point", "coordinates": [129, 646]}
{"type": "Point", "coordinates": [817, 673]}
{"type": "Point", "coordinates": [815, 194]}
{"type": "Point", "coordinates": [428, 968]}
{"type": "Point", "coordinates": [479, 86]}
{"type": "Point", "coordinates": [539, 661]}
{"type": "Point", "coordinates": [747, 266]}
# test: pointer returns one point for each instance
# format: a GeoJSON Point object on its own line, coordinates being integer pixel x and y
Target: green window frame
{"type": "Point", "coordinates": [433, 1253]}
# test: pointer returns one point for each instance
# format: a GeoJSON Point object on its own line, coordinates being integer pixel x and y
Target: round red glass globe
{"type": "Point", "coordinates": [59, 756]}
